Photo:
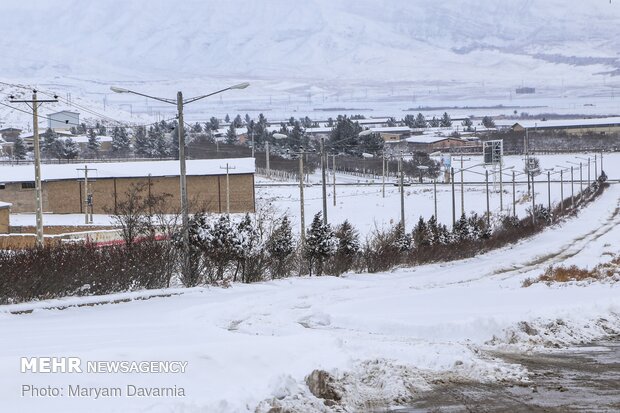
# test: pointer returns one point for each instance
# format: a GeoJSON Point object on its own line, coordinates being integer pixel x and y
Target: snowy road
{"type": "Point", "coordinates": [382, 334]}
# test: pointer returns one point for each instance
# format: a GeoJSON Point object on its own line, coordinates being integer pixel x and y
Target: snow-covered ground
{"type": "Point", "coordinates": [383, 334]}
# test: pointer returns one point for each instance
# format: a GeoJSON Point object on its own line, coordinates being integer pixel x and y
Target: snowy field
{"type": "Point", "coordinates": [381, 334]}
{"type": "Point", "coordinates": [364, 206]}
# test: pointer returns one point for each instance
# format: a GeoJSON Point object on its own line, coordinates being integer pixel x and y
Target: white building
{"type": "Point", "coordinates": [63, 120]}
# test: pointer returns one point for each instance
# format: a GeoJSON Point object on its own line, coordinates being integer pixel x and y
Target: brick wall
{"type": "Point", "coordinates": [204, 193]}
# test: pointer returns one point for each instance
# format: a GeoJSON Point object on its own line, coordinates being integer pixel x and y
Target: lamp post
{"type": "Point", "coordinates": [180, 103]}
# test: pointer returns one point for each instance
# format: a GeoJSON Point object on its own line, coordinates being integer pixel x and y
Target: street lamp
{"type": "Point", "coordinates": [180, 102]}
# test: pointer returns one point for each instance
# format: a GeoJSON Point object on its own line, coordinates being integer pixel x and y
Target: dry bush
{"type": "Point", "coordinates": [81, 269]}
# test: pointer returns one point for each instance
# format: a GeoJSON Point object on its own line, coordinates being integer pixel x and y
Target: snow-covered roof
{"type": "Point", "coordinates": [391, 129]}
{"type": "Point", "coordinates": [560, 123]}
{"type": "Point", "coordinates": [428, 139]}
{"type": "Point", "coordinates": [197, 167]}
{"type": "Point", "coordinates": [63, 111]}
{"type": "Point", "coordinates": [84, 138]}
{"type": "Point", "coordinates": [4, 205]}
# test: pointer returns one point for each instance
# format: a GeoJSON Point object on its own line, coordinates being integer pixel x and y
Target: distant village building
{"type": "Point", "coordinates": [525, 90]}
{"type": "Point", "coordinates": [600, 126]}
{"type": "Point", "coordinates": [63, 185]}
{"type": "Point", "coordinates": [10, 134]}
{"type": "Point", "coordinates": [63, 120]}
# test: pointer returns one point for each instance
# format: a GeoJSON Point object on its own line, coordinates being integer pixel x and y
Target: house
{"type": "Point", "coordinates": [10, 134]}
{"type": "Point", "coordinates": [427, 143]}
{"type": "Point", "coordinates": [63, 185]}
{"type": "Point", "coordinates": [5, 211]}
{"type": "Point", "coordinates": [63, 120]}
{"type": "Point", "coordinates": [599, 126]}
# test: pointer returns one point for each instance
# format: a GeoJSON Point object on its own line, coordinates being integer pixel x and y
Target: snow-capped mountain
{"type": "Point", "coordinates": [313, 47]}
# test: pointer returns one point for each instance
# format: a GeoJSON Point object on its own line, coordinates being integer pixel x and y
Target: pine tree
{"type": "Point", "coordinates": [434, 123]}
{"type": "Point", "coordinates": [50, 144]}
{"type": "Point", "coordinates": [320, 244]}
{"type": "Point", "coordinates": [94, 143]}
{"type": "Point", "coordinates": [348, 247]}
{"type": "Point", "coordinates": [238, 122]}
{"type": "Point", "coordinates": [142, 143]}
{"type": "Point", "coordinates": [488, 122]}
{"type": "Point", "coordinates": [70, 149]}
{"type": "Point", "coordinates": [280, 247]}
{"type": "Point", "coordinates": [197, 128]}
{"type": "Point", "coordinates": [420, 234]}
{"type": "Point", "coordinates": [420, 121]}
{"type": "Point", "coordinates": [121, 144]}
{"type": "Point", "coordinates": [402, 240]}
{"type": "Point", "coordinates": [461, 232]}
{"type": "Point", "coordinates": [433, 230]}
{"type": "Point", "coordinates": [247, 119]}
{"type": "Point", "coordinates": [467, 124]}
{"type": "Point", "coordinates": [446, 122]}
{"type": "Point", "coordinates": [214, 123]}
{"type": "Point", "coordinates": [231, 135]}
{"type": "Point", "coordinates": [19, 149]}
{"type": "Point", "coordinates": [227, 118]}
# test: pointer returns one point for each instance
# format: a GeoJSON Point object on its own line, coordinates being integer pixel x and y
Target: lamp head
{"type": "Point", "coordinates": [240, 85]}
{"type": "Point", "coordinates": [118, 89]}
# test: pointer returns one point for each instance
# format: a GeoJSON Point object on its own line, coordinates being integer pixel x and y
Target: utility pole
{"type": "Point", "coordinates": [533, 201]}
{"type": "Point", "coordinates": [87, 196]}
{"type": "Point", "coordinates": [549, 190]}
{"type": "Point", "coordinates": [183, 185]}
{"type": "Point", "coordinates": [486, 182]}
{"type": "Point", "coordinates": [514, 196]}
{"type": "Point", "coordinates": [402, 192]}
{"type": "Point", "coordinates": [323, 179]}
{"type": "Point", "coordinates": [501, 186]}
{"type": "Point", "coordinates": [589, 181]}
{"type": "Point", "coordinates": [580, 179]}
{"type": "Point", "coordinates": [383, 173]}
{"type": "Point", "coordinates": [228, 168]}
{"type": "Point", "coordinates": [34, 105]}
{"type": "Point", "coordinates": [572, 188]}
{"type": "Point", "coordinates": [453, 201]}
{"type": "Point", "coordinates": [435, 197]}
{"type": "Point", "coordinates": [562, 191]}
{"type": "Point", "coordinates": [301, 198]}
{"type": "Point", "coordinates": [462, 190]}
{"type": "Point", "coordinates": [267, 158]}
{"type": "Point", "coordinates": [252, 133]}
{"type": "Point", "coordinates": [334, 170]}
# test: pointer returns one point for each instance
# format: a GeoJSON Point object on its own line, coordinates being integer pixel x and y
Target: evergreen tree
{"type": "Point", "coordinates": [488, 122]}
{"type": "Point", "coordinates": [247, 119]}
{"type": "Point", "coordinates": [445, 122]}
{"type": "Point", "coordinates": [142, 143]}
{"type": "Point", "coordinates": [197, 128]}
{"type": "Point", "coordinates": [19, 149]}
{"type": "Point", "coordinates": [238, 122]}
{"type": "Point", "coordinates": [348, 247]}
{"type": "Point", "coordinates": [467, 125]}
{"type": "Point", "coordinates": [50, 146]}
{"type": "Point", "coordinates": [461, 232]}
{"type": "Point", "coordinates": [214, 123]}
{"type": "Point", "coordinates": [94, 143]}
{"type": "Point", "coordinates": [433, 230]}
{"type": "Point", "coordinates": [320, 244]}
{"type": "Point", "coordinates": [227, 118]}
{"type": "Point", "coordinates": [344, 136]}
{"type": "Point", "coordinates": [391, 122]}
{"type": "Point", "coordinates": [69, 149]}
{"type": "Point", "coordinates": [420, 234]}
{"type": "Point", "coordinates": [402, 240]}
{"type": "Point", "coordinates": [280, 247]}
{"type": "Point", "coordinates": [420, 122]}
{"type": "Point", "coordinates": [231, 135]}
{"type": "Point", "coordinates": [409, 120]}
{"type": "Point", "coordinates": [121, 144]}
